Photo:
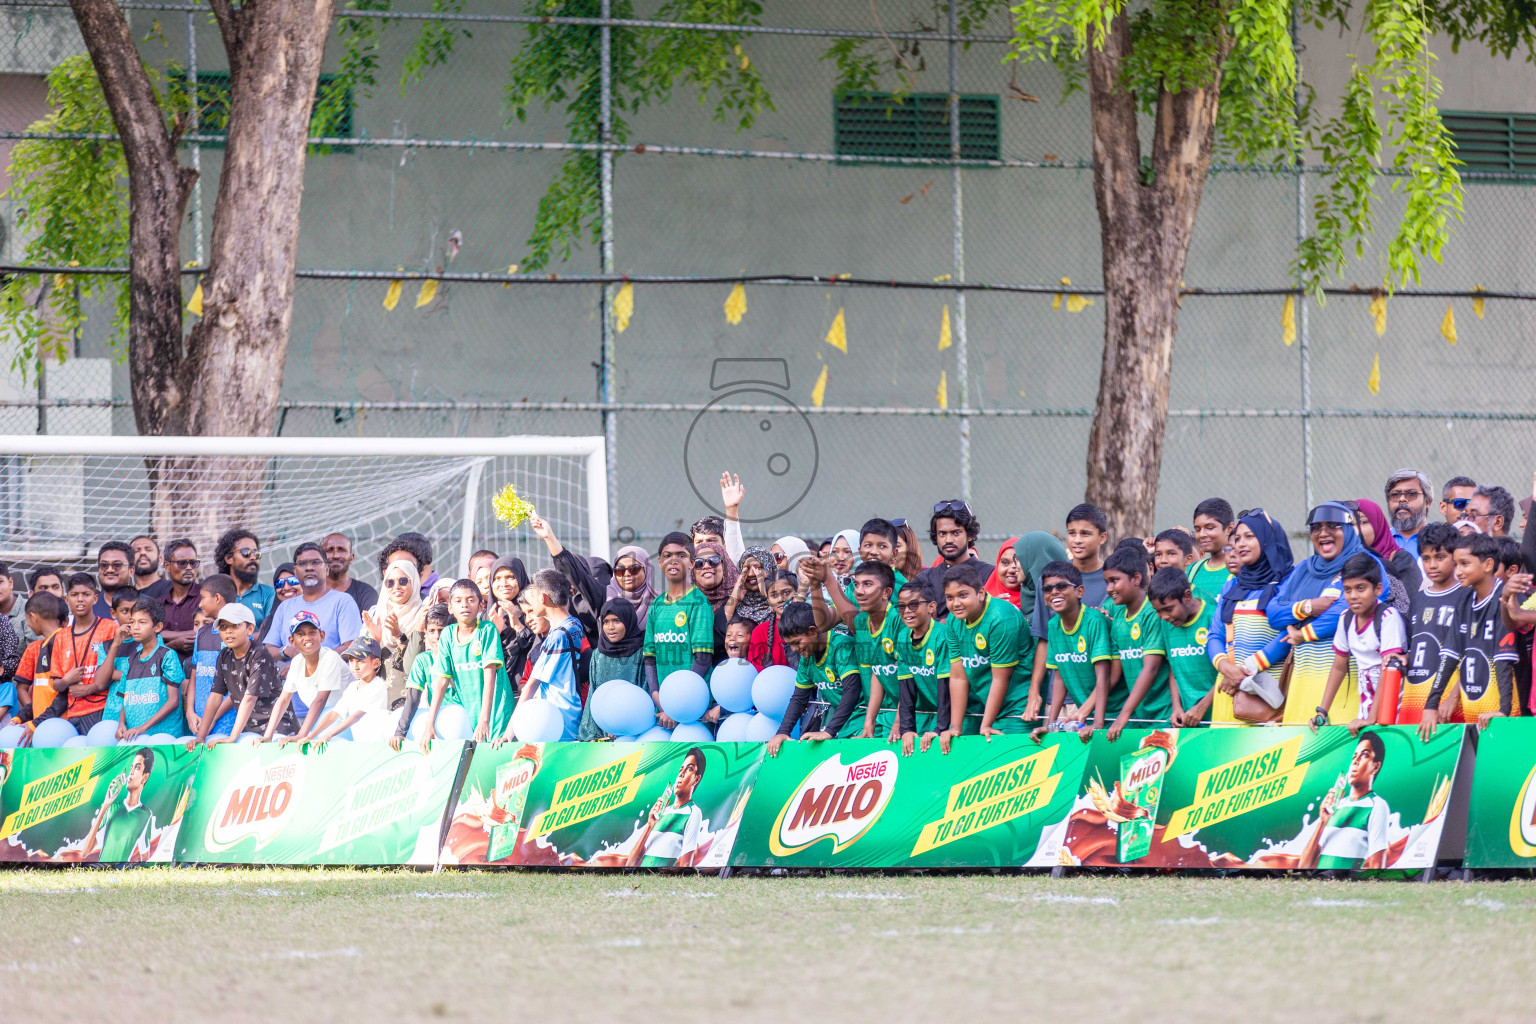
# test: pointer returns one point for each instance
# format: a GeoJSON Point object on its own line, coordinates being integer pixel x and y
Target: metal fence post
{"type": "Point", "coordinates": [1301, 298]}
{"type": "Point", "coordinates": [605, 162]}
{"type": "Point", "coordinates": [195, 148]}
{"type": "Point", "coordinates": [962, 376]}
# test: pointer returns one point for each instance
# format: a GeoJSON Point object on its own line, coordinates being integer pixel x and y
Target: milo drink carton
{"type": "Point", "coordinates": [511, 798]}
{"type": "Point", "coordinates": [1141, 786]}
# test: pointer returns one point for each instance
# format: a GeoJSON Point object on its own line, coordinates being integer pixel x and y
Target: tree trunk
{"type": "Point", "coordinates": [226, 378]}
{"type": "Point", "coordinates": [158, 187]}
{"type": "Point", "coordinates": [1146, 221]}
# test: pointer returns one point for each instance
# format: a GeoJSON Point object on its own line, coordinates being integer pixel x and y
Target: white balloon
{"type": "Point", "coordinates": [692, 732]}
{"type": "Point", "coordinates": [537, 721]}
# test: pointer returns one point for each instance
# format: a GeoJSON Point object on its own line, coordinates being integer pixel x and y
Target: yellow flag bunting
{"type": "Point", "coordinates": [623, 307]}
{"type": "Point", "coordinates": [736, 304]}
{"type": "Point", "coordinates": [943, 390]}
{"type": "Point", "coordinates": [819, 392]}
{"type": "Point", "coordinates": [837, 334]}
{"type": "Point", "coordinates": [428, 292]}
{"type": "Point", "coordinates": [944, 336]}
{"type": "Point", "coordinates": [1288, 320]}
{"type": "Point", "coordinates": [392, 294]}
{"type": "Point", "coordinates": [1374, 383]}
{"type": "Point", "coordinates": [1378, 310]}
{"type": "Point", "coordinates": [1448, 325]}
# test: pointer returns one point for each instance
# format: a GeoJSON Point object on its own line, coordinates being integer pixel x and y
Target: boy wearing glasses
{"type": "Point", "coordinates": [1078, 649]}
{"type": "Point", "coordinates": [680, 625]}
{"type": "Point", "coordinates": [924, 656]}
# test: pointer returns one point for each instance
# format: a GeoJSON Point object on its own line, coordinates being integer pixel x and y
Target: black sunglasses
{"type": "Point", "coordinates": [1460, 504]}
{"type": "Point", "coordinates": [1245, 513]}
{"type": "Point", "coordinates": [703, 560]}
{"type": "Point", "coordinates": [898, 523]}
{"type": "Point", "coordinates": [1051, 588]}
{"type": "Point", "coordinates": [904, 605]}
{"type": "Point", "coordinates": [953, 505]}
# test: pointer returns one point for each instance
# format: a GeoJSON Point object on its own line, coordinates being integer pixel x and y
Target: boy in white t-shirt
{"type": "Point", "coordinates": [316, 677]}
{"type": "Point", "coordinates": [1370, 633]}
{"type": "Point", "coordinates": [366, 701]}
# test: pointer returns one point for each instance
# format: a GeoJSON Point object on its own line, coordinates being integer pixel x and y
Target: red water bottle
{"type": "Point", "coordinates": [1388, 691]}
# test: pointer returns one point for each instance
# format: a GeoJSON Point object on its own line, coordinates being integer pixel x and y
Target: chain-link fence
{"type": "Point", "coordinates": [912, 337]}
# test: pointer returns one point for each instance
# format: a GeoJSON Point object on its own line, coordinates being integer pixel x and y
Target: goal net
{"type": "Point", "coordinates": [62, 496]}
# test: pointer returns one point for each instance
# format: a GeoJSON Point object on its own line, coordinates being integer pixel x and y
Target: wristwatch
{"type": "Point", "coordinates": [1321, 718]}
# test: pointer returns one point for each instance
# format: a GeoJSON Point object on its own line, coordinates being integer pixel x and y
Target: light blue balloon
{"type": "Point", "coordinates": [684, 696]}
{"type": "Point", "coordinates": [772, 689]}
{"type": "Point", "coordinates": [762, 728]}
{"type": "Point", "coordinates": [53, 733]}
{"type": "Point", "coordinates": [418, 723]}
{"type": "Point", "coordinates": [625, 739]}
{"type": "Point", "coordinates": [102, 734]}
{"type": "Point", "coordinates": [453, 723]}
{"type": "Point", "coordinates": [159, 737]}
{"type": "Point", "coordinates": [11, 736]}
{"type": "Point", "coordinates": [692, 732]}
{"type": "Point", "coordinates": [731, 684]}
{"type": "Point", "coordinates": [623, 709]}
{"type": "Point", "coordinates": [537, 721]}
{"type": "Point", "coordinates": [655, 734]}
{"type": "Point", "coordinates": [76, 741]}
{"type": "Point", "coordinates": [735, 728]}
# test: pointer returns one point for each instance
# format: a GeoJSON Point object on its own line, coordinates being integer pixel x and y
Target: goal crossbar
{"type": "Point", "coordinates": [592, 450]}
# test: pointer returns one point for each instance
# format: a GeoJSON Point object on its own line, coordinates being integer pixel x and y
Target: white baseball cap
{"type": "Point", "coordinates": [233, 613]}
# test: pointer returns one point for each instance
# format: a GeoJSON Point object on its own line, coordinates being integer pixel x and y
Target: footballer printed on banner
{"type": "Point", "coordinates": [835, 801]}
{"type": "Point", "coordinates": [255, 803]}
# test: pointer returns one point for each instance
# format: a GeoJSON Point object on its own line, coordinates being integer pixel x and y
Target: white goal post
{"type": "Point", "coordinates": [62, 495]}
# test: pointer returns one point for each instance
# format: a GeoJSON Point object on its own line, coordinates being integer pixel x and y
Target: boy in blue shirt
{"type": "Point", "coordinates": [152, 689]}
{"type": "Point", "coordinates": [554, 674]}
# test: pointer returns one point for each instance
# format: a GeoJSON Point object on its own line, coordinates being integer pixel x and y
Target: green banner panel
{"type": "Point", "coordinates": [602, 804]}
{"type": "Point", "coordinates": [1501, 830]}
{"type": "Point", "coordinates": [1277, 798]}
{"type": "Point", "coordinates": [93, 804]}
{"type": "Point", "coordinates": [860, 803]}
{"type": "Point", "coordinates": [337, 803]}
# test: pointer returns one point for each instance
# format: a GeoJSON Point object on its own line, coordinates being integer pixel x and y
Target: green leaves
{"type": "Point", "coordinates": [71, 198]}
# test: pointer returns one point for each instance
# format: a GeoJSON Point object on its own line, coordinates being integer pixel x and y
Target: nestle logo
{"type": "Point", "coordinates": [866, 770]}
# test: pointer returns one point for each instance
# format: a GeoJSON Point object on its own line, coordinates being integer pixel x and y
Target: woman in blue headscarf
{"type": "Point", "coordinates": [1243, 645]}
{"type": "Point", "coordinates": [1307, 609]}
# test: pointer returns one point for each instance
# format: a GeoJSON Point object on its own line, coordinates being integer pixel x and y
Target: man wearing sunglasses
{"type": "Point", "coordinates": [238, 556]}
{"type": "Point", "coordinates": [181, 597]}
{"type": "Point", "coordinates": [953, 528]}
{"type": "Point", "coordinates": [114, 570]}
{"type": "Point", "coordinates": [1455, 496]}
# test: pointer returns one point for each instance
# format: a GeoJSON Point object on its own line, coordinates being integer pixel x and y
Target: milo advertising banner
{"type": "Point", "coordinates": [860, 803]}
{"type": "Point", "coordinates": [337, 803]}
{"type": "Point", "coordinates": [1501, 831]}
{"type": "Point", "coordinates": [1280, 798]}
{"type": "Point", "coordinates": [93, 804]}
{"type": "Point", "coordinates": [602, 804]}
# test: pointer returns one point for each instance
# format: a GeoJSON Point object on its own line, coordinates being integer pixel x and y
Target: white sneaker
{"type": "Point", "coordinates": [1263, 686]}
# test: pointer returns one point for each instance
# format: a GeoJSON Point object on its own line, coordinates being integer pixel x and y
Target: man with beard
{"type": "Point", "coordinates": [238, 556]}
{"type": "Point", "coordinates": [146, 567]}
{"type": "Point", "coordinates": [953, 529]}
{"type": "Point", "coordinates": [336, 613]}
{"type": "Point", "coordinates": [338, 562]}
{"type": "Point", "coordinates": [1408, 507]}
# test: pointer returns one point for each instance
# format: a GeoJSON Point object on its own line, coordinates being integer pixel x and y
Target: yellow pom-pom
{"type": "Point", "coordinates": [509, 508]}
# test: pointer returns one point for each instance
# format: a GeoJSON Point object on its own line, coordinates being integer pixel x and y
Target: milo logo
{"type": "Point", "coordinates": [835, 801]}
{"type": "Point", "coordinates": [255, 803]}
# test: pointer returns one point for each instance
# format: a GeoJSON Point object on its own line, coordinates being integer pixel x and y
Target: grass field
{"type": "Point", "coordinates": [301, 945]}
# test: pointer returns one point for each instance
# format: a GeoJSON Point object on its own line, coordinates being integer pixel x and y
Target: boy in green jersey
{"type": "Point", "coordinates": [828, 670]}
{"type": "Point", "coordinates": [423, 670]}
{"type": "Point", "coordinates": [1136, 637]}
{"type": "Point", "coordinates": [1077, 647]}
{"type": "Point", "coordinates": [468, 661]}
{"type": "Point", "coordinates": [923, 656]}
{"type": "Point", "coordinates": [990, 659]}
{"type": "Point", "coordinates": [875, 625]}
{"type": "Point", "coordinates": [1173, 547]}
{"type": "Point", "coordinates": [1186, 627]}
{"type": "Point", "coordinates": [1214, 523]}
{"type": "Point", "coordinates": [680, 626]}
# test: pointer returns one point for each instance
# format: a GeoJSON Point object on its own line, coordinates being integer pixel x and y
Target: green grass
{"type": "Point", "coordinates": [157, 944]}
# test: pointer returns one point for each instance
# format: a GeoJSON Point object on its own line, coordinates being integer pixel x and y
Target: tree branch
{"type": "Point", "coordinates": [231, 25]}
{"type": "Point", "coordinates": [124, 82]}
{"type": "Point", "coordinates": [1116, 144]}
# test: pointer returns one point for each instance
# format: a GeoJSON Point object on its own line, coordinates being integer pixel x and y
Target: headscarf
{"type": "Point", "coordinates": [1273, 566]}
{"type": "Point", "coordinates": [602, 572]}
{"type": "Point", "coordinates": [720, 592]}
{"type": "Point", "coordinates": [514, 565]}
{"type": "Point", "coordinates": [791, 546]}
{"type": "Point", "coordinates": [1312, 575]}
{"type": "Point", "coordinates": [622, 609]}
{"type": "Point", "coordinates": [1384, 546]}
{"type": "Point", "coordinates": [845, 579]}
{"type": "Point", "coordinates": [287, 568]}
{"type": "Point", "coordinates": [406, 613]}
{"type": "Point", "coordinates": [995, 585]}
{"type": "Point", "coordinates": [642, 597]}
{"type": "Point", "coordinates": [753, 605]}
{"type": "Point", "coordinates": [1035, 550]}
